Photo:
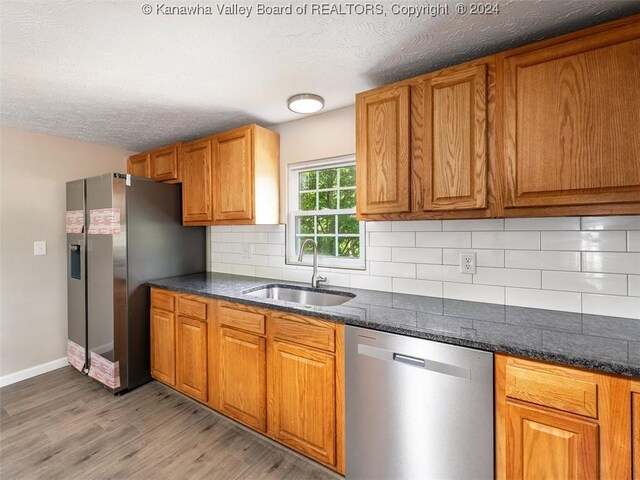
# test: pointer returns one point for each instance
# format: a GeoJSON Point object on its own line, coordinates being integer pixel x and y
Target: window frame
{"type": "Point", "coordinates": [291, 257]}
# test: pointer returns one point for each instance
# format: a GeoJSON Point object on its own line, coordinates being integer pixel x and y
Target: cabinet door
{"type": "Point", "coordinates": [382, 151]}
{"type": "Point", "coordinates": [139, 165]}
{"type": "Point", "coordinates": [163, 346]}
{"type": "Point", "coordinates": [572, 116]}
{"type": "Point", "coordinates": [233, 175]}
{"type": "Point", "coordinates": [164, 164]}
{"type": "Point", "coordinates": [635, 427]}
{"type": "Point", "coordinates": [302, 400]}
{"type": "Point", "coordinates": [243, 386]}
{"type": "Point", "coordinates": [191, 355]}
{"type": "Point", "coordinates": [544, 444]}
{"type": "Point", "coordinates": [456, 140]}
{"type": "Point", "coordinates": [196, 183]}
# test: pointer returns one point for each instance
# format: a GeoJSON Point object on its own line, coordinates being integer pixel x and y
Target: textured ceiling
{"type": "Point", "coordinates": [103, 72]}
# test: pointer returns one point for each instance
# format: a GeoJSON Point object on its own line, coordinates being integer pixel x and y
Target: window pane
{"type": "Point", "coordinates": [308, 201]}
{"type": "Point", "coordinates": [305, 225]}
{"type": "Point", "coordinates": [327, 200]}
{"type": "Point", "coordinates": [299, 241]}
{"type": "Point", "coordinates": [349, 247]}
{"type": "Point", "coordinates": [307, 180]}
{"type": "Point", "coordinates": [327, 246]}
{"type": "Point", "coordinates": [347, 199]}
{"type": "Point", "coordinates": [328, 178]}
{"type": "Point", "coordinates": [348, 176]}
{"type": "Point", "coordinates": [327, 224]}
{"type": "Point", "coordinates": [348, 224]}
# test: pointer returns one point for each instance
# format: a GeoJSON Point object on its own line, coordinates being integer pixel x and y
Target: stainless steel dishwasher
{"type": "Point", "coordinates": [416, 409]}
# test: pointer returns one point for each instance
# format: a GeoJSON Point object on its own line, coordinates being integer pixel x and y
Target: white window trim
{"type": "Point", "coordinates": [293, 189]}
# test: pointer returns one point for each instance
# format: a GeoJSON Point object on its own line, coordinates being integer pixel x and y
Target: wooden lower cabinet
{"type": "Point", "coordinates": [559, 422]}
{"type": "Point", "coordinates": [191, 357]}
{"type": "Point", "coordinates": [163, 346]}
{"type": "Point", "coordinates": [545, 444]}
{"type": "Point", "coordinates": [302, 394]}
{"type": "Point", "coordinates": [635, 425]}
{"type": "Point", "coordinates": [242, 373]}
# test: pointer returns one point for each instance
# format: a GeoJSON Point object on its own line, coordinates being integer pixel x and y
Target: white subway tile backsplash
{"type": "Point", "coordinates": [378, 254]}
{"type": "Point", "coordinates": [614, 306]}
{"type": "Point", "coordinates": [443, 239]}
{"type": "Point", "coordinates": [255, 237]}
{"type": "Point", "coordinates": [586, 241]}
{"type": "Point", "coordinates": [484, 258]}
{"type": "Point", "coordinates": [417, 226]}
{"type": "Point", "coordinates": [268, 272]}
{"type": "Point", "coordinates": [369, 282]}
{"type": "Point", "coordinates": [545, 299]}
{"type": "Point", "coordinates": [268, 249]}
{"type": "Point", "coordinates": [378, 227]}
{"type": "Point", "coordinates": [607, 283]}
{"type": "Point", "coordinates": [444, 273]}
{"type": "Point", "coordinates": [471, 225]}
{"type": "Point", "coordinates": [543, 223]}
{"type": "Point", "coordinates": [410, 286]}
{"type": "Point", "coordinates": [542, 259]}
{"type": "Point", "coordinates": [416, 255]}
{"type": "Point", "coordinates": [625, 222]}
{"type": "Point", "coordinates": [473, 293]}
{"type": "Point", "coordinates": [395, 239]}
{"type": "Point", "coordinates": [388, 269]}
{"type": "Point", "coordinates": [531, 262]}
{"type": "Point", "coordinates": [507, 240]}
{"type": "Point", "coordinates": [507, 277]}
{"type": "Point", "coordinates": [611, 262]}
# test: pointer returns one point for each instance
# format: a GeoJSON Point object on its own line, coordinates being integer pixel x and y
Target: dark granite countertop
{"type": "Point", "coordinates": [606, 344]}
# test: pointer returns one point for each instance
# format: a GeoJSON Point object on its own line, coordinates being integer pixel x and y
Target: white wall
{"type": "Point", "coordinates": [33, 172]}
{"type": "Point", "coordinates": [588, 264]}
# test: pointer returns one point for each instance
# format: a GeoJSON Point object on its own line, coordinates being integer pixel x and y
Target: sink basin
{"type": "Point", "coordinates": [316, 297]}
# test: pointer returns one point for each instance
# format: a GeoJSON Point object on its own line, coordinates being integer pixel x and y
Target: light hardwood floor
{"type": "Point", "coordinates": [62, 425]}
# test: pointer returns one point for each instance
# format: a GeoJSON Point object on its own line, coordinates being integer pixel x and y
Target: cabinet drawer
{"type": "Point", "coordinates": [242, 319]}
{"type": "Point", "coordinates": [553, 387]}
{"type": "Point", "coordinates": [162, 300]}
{"type": "Point", "coordinates": [192, 308]}
{"type": "Point", "coordinates": [305, 331]}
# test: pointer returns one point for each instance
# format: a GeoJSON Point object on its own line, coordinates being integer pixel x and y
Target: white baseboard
{"type": "Point", "coordinates": [33, 371]}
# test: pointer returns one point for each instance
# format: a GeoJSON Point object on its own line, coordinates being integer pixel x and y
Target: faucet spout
{"type": "Point", "coordinates": [315, 278]}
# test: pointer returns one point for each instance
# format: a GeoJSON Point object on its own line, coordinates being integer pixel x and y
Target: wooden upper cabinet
{"type": "Point", "coordinates": [197, 193]}
{"type": "Point", "coordinates": [544, 444]}
{"type": "Point", "coordinates": [455, 139]}
{"type": "Point", "coordinates": [164, 163]}
{"type": "Point", "coordinates": [233, 175]}
{"type": "Point", "coordinates": [383, 151]}
{"type": "Point", "coordinates": [572, 117]}
{"type": "Point", "coordinates": [139, 165]}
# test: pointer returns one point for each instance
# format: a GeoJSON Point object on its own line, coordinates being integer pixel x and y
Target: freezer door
{"type": "Point", "coordinates": [107, 281]}
{"type": "Point", "coordinates": [76, 275]}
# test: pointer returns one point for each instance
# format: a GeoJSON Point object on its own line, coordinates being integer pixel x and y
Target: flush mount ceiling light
{"type": "Point", "coordinates": [305, 103]}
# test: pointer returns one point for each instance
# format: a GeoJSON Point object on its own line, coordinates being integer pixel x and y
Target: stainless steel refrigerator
{"type": "Point", "coordinates": [121, 232]}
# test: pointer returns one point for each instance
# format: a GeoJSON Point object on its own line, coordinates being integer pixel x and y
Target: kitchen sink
{"type": "Point", "coordinates": [316, 297]}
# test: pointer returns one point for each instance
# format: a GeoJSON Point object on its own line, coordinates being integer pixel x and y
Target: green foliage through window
{"type": "Point", "coordinates": [326, 211]}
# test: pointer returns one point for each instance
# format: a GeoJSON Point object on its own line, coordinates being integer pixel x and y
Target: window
{"type": "Point", "coordinates": [322, 206]}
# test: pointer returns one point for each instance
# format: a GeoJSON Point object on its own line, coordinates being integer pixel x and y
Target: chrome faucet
{"type": "Point", "coordinates": [315, 278]}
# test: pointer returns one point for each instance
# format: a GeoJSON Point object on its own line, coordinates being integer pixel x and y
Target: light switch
{"type": "Point", "coordinates": [40, 247]}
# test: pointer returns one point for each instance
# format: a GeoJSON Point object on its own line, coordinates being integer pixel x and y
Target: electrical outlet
{"type": "Point", "coordinates": [247, 250]}
{"type": "Point", "coordinates": [467, 263]}
{"type": "Point", "coordinates": [40, 247]}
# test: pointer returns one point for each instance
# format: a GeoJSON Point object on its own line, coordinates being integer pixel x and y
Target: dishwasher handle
{"type": "Point", "coordinates": [416, 362]}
